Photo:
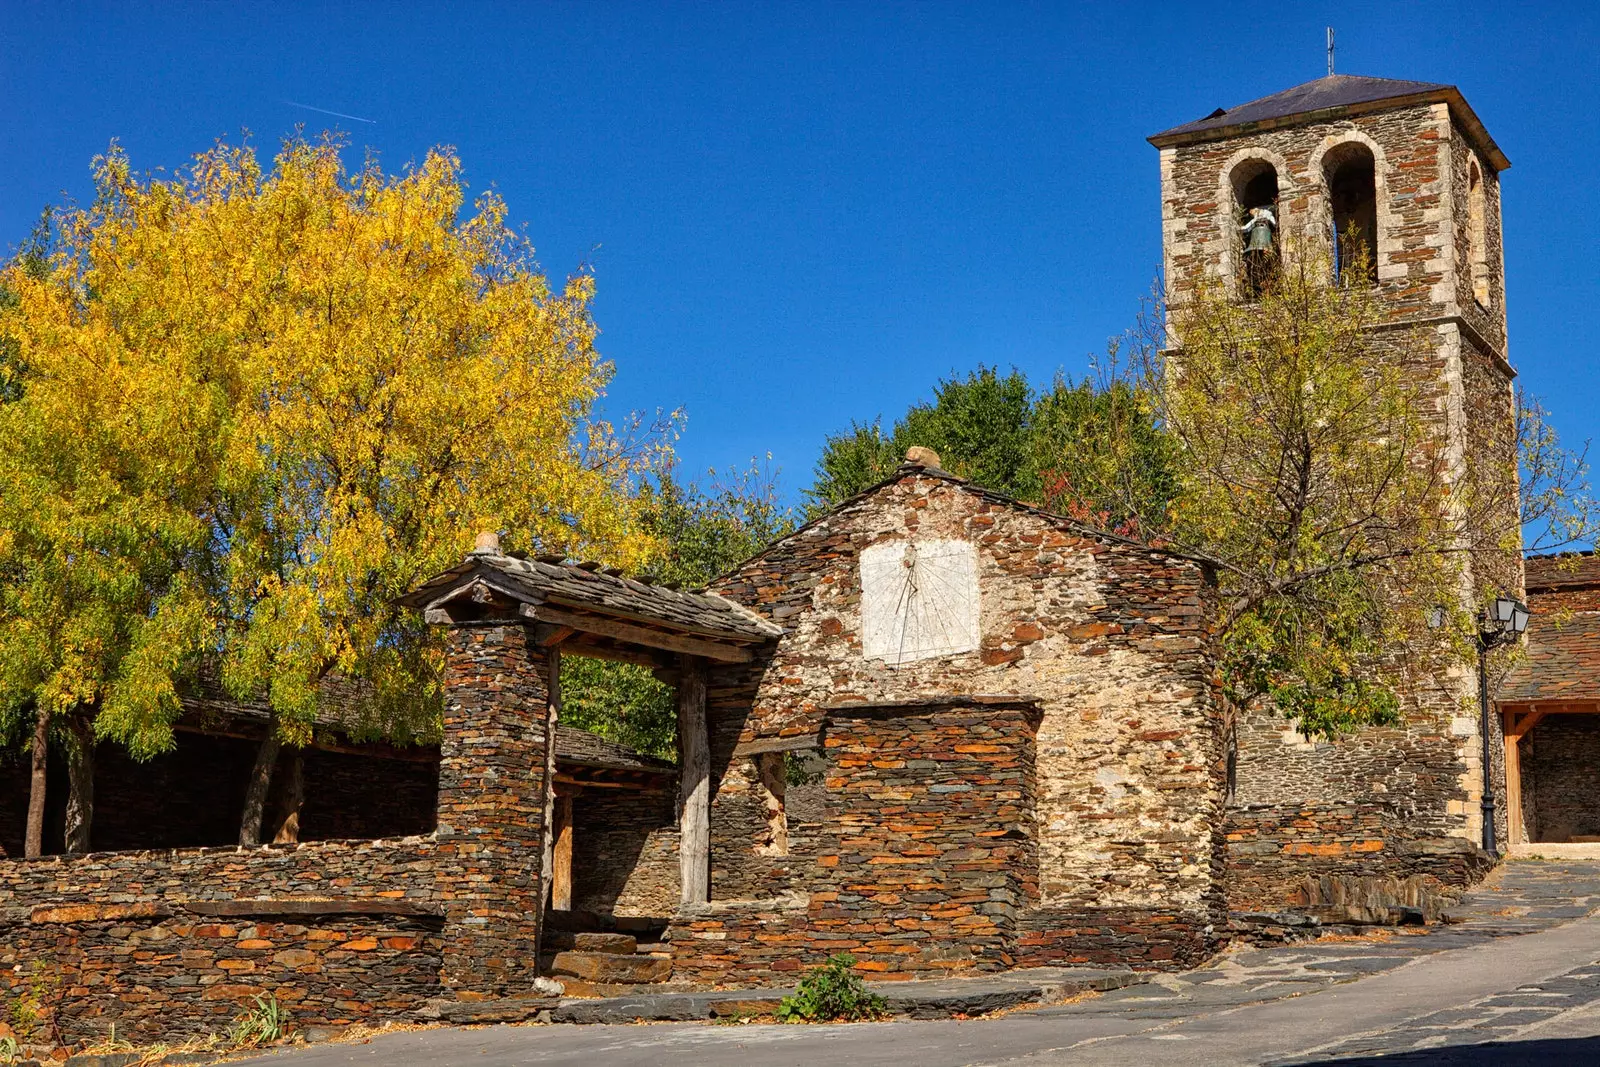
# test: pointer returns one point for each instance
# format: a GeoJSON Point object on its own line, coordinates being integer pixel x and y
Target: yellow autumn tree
{"type": "Point", "coordinates": [251, 406]}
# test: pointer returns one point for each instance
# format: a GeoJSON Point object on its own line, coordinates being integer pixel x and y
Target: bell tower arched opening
{"type": "Point", "coordinates": [1351, 178]}
{"type": "Point", "coordinates": [1255, 202]}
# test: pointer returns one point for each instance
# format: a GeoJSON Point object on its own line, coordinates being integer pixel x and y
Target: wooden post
{"type": "Point", "coordinates": [561, 873]}
{"type": "Point", "coordinates": [694, 759]}
{"type": "Point", "coordinates": [1513, 781]}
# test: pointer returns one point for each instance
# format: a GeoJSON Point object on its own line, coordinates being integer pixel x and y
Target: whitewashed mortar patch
{"type": "Point", "coordinates": [919, 600]}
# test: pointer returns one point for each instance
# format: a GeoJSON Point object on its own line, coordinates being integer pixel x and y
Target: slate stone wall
{"type": "Point", "coordinates": [1112, 640]}
{"type": "Point", "coordinates": [625, 852]}
{"type": "Point", "coordinates": [1561, 778]}
{"type": "Point", "coordinates": [1274, 848]}
{"type": "Point", "coordinates": [925, 865]}
{"type": "Point", "coordinates": [158, 972]}
{"type": "Point", "coordinates": [175, 942]}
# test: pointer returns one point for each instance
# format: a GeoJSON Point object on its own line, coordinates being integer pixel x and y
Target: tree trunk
{"type": "Point", "coordinates": [33, 843]}
{"type": "Point", "coordinates": [694, 760]}
{"type": "Point", "coordinates": [255, 797]}
{"type": "Point", "coordinates": [294, 795]}
{"type": "Point", "coordinates": [80, 784]}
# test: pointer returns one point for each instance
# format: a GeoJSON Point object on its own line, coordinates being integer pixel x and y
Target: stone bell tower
{"type": "Point", "coordinates": [1409, 169]}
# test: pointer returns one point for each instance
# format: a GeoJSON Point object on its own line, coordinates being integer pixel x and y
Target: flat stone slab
{"type": "Point", "coordinates": [936, 999]}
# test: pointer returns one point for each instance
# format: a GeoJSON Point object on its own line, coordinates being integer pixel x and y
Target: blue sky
{"type": "Point", "coordinates": [801, 215]}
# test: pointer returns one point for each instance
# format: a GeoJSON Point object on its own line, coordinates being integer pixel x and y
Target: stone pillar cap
{"type": "Point", "coordinates": [487, 544]}
{"type": "Point", "coordinates": [918, 456]}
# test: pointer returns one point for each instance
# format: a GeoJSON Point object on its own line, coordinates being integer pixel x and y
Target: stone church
{"type": "Point", "coordinates": [937, 728]}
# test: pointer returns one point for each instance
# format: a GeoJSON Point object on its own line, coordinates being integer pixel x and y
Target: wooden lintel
{"type": "Point", "coordinates": [594, 650]}
{"type": "Point", "coordinates": [592, 783]}
{"type": "Point", "coordinates": [632, 633]}
{"type": "Point", "coordinates": [549, 636]}
{"type": "Point", "coordinates": [776, 744]}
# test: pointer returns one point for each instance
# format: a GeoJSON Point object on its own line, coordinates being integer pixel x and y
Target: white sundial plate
{"type": "Point", "coordinates": [919, 600]}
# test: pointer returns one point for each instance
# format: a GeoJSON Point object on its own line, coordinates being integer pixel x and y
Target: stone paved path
{"type": "Point", "coordinates": [1520, 898]}
{"type": "Point", "coordinates": [1515, 980]}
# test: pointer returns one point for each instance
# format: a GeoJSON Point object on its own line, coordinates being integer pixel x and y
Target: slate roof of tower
{"type": "Point", "coordinates": [1339, 90]}
{"type": "Point", "coordinates": [1333, 94]}
{"type": "Point", "coordinates": [586, 589]}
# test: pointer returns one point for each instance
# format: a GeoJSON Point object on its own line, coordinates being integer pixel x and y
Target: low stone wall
{"type": "Point", "coordinates": [1273, 850]}
{"type": "Point", "coordinates": [1146, 939]}
{"type": "Point", "coordinates": [178, 942]}
{"type": "Point", "coordinates": [155, 971]}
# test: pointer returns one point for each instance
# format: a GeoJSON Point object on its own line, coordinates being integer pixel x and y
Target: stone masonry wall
{"type": "Point", "coordinates": [1110, 639]}
{"type": "Point", "coordinates": [170, 942]}
{"type": "Point", "coordinates": [930, 837]}
{"type": "Point", "coordinates": [167, 943]}
{"type": "Point", "coordinates": [1561, 778]}
{"type": "Point", "coordinates": [927, 858]}
{"type": "Point", "coordinates": [625, 852]}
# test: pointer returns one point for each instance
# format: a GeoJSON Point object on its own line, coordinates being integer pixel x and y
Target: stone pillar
{"type": "Point", "coordinates": [492, 803]}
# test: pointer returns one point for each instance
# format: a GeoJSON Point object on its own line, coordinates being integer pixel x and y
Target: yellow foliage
{"type": "Point", "coordinates": [258, 405]}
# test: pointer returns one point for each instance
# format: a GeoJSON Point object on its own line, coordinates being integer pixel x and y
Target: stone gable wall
{"type": "Point", "coordinates": [1109, 641]}
{"type": "Point", "coordinates": [1112, 640]}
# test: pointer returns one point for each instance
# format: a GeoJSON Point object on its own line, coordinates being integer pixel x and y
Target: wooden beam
{"type": "Point", "coordinates": [639, 635]}
{"type": "Point", "coordinates": [642, 657]}
{"type": "Point", "coordinates": [694, 757]}
{"type": "Point", "coordinates": [1519, 725]}
{"type": "Point", "coordinates": [561, 875]}
{"type": "Point", "coordinates": [550, 636]}
{"type": "Point", "coordinates": [1513, 782]}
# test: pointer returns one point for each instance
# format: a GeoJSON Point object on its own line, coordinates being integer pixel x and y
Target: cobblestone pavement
{"type": "Point", "coordinates": [1515, 980]}
{"type": "Point", "coordinates": [1519, 898]}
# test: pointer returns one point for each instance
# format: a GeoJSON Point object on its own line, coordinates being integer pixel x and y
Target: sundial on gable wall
{"type": "Point", "coordinates": [919, 600]}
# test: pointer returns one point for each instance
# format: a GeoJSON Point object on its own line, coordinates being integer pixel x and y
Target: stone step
{"type": "Point", "coordinates": [616, 944]}
{"type": "Point", "coordinates": [611, 968]}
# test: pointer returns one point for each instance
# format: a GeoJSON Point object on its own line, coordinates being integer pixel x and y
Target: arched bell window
{"type": "Point", "coordinates": [1350, 176]}
{"type": "Point", "coordinates": [1256, 221]}
{"type": "Point", "coordinates": [1477, 235]}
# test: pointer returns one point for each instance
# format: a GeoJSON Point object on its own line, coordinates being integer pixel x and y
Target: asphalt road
{"type": "Point", "coordinates": [1472, 994]}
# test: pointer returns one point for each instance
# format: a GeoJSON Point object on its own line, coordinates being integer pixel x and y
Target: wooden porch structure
{"type": "Point", "coordinates": [584, 609]}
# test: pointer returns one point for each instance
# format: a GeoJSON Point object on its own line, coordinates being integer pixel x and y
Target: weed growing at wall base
{"type": "Point", "coordinates": [832, 993]}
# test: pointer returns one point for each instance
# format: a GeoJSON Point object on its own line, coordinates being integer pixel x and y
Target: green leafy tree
{"type": "Point", "coordinates": [979, 425]}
